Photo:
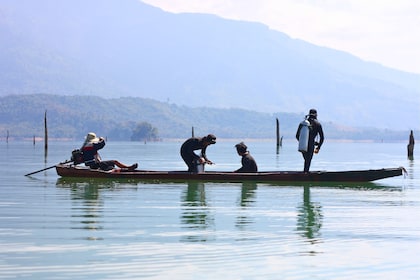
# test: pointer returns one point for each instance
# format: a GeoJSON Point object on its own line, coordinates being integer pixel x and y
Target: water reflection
{"type": "Point", "coordinates": [195, 214]}
{"type": "Point", "coordinates": [248, 193]}
{"type": "Point", "coordinates": [310, 217]}
{"type": "Point", "coordinates": [198, 217]}
{"type": "Point", "coordinates": [87, 205]}
{"type": "Point", "coordinates": [247, 198]}
{"type": "Point", "coordinates": [410, 170]}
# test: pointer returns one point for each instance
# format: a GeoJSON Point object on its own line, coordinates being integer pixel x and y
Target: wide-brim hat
{"type": "Point", "coordinates": [91, 137]}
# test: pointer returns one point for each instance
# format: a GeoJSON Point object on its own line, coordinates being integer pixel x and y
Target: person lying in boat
{"type": "Point", "coordinates": [92, 158]}
{"type": "Point", "coordinates": [192, 160]}
{"type": "Point", "coordinates": [248, 162]}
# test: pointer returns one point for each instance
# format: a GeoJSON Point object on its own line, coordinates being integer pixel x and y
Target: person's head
{"type": "Point", "coordinates": [91, 137]}
{"type": "Point", "coordinates": [313, 113]}
{"type": "Point", "coordinates": [210, 139]}
{"type": "Point", "coordinates": [241, 148]}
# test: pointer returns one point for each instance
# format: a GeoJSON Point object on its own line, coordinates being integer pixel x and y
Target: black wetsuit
{"type": "Point", "coordinates": [248, 164]}
{"type": "Point", "coordinates": [315, 128]}
{"type": "Point", "coordinates": [188, 155]}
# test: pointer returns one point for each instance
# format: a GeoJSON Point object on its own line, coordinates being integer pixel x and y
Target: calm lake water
{"type": "Point", "coordinates": [52, 228]}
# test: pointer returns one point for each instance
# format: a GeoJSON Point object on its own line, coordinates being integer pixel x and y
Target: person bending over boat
{"type": "Point", "coordinates": [92, 158]}
{"type": "Point", "coordinates": [192, 160]}
{"type": "Point", "coordinates": [248, 162]}
{"type": "Point", "coordinates": [315, 128]}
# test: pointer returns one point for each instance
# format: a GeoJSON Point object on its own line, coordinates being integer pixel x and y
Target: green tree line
{"type": "Point", "coordinates": [133, 118]}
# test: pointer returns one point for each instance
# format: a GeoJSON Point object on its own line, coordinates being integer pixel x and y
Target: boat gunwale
{"type": "Point", "coordinates": [366, 175]}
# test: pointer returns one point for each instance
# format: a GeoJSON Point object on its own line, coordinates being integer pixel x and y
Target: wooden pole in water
{"type": "Point", "coordinates": [410, 146]}
{"type": "Point", "coordinates": [278, 133]}
{"type": "Point", "coordinates": [192, 131]}
{"type": "Point", "coordinates": [45, 132]}
{"type": "Point", "coordinates": [7, 137]}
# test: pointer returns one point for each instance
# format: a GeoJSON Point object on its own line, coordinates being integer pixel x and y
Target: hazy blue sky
{"type": "Point", "coordinates": [383, 31]}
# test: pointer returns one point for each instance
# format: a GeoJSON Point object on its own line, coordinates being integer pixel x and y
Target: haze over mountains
{"type": "Point", "coordinates": [116, 48]}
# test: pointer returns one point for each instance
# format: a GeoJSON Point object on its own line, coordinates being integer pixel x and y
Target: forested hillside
{"type": "Point", "coordinates": [22, 116]}
{"type": "Point", "coordinates": [114, 48]}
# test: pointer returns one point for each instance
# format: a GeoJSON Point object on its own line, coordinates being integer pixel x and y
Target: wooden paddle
{"type": "Point", "coordinates": [67, 161]}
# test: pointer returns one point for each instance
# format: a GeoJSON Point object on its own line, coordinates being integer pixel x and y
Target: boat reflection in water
{"type": "Point", "coordinates": [199, 215]}
{"type": "Point", "coordinates": [309, 220]}
{"type": "Point", "coordinates": [207, 211]}
{"type": "Point", "coordinates": [196, 215]}
{"type": "Point", "coordinates": [87, 209]}
{"type": "Point", "coordinates": [247, 198]}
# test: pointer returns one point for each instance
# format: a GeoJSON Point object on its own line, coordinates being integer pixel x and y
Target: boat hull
{"type": "Point", "coordinates": [214, 176]}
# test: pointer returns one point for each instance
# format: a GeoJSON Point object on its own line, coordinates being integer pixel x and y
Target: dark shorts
{"type": "Point", "coordinates": [103, 165]}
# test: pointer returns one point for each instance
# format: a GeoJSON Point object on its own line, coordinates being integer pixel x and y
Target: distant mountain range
{"type": "Point", "coordinates": [113, 48]}
{"type": "Point", "coordinates": [71, 117]}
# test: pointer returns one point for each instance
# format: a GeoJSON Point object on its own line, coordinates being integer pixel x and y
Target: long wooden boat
{"type": "Point", "coordinates": [65, 170]}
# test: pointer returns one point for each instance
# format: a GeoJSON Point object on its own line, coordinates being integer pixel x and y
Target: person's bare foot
{"type": "Point", "coordinates": [133, 167]}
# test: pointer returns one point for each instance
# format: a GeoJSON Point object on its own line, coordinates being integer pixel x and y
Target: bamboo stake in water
{"type": "Point", "coordinates": [410, 146]}
{"type": "Point", "coordinates": [46, 132]}
{"type": "Point", "coordinates": [278, 132]}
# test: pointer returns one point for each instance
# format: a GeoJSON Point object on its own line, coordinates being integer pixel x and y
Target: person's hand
{"type": "Point", "coordinates": [316, 150]}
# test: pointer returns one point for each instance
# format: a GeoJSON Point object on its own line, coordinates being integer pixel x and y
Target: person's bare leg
{"type": "Point", "coordinates": [122, 165]}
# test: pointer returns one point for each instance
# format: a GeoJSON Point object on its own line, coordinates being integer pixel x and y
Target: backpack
{"type": "Point", "coordinates": [77, 156]}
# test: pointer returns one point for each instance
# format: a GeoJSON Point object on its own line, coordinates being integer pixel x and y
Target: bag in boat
{"type": "Point", "coordinates": [77, 156]}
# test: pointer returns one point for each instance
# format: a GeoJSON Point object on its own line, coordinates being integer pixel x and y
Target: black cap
{"type": "Point", "coordinates": [211, 139]}
{"type": "Point", "coordinates": [241, 147]}
{"type": "Point", "coordinates": [313, 112]}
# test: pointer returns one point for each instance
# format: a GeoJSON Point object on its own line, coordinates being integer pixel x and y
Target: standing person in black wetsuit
{"type": "Point", "coordinates": [248, 162]}
{"type": "Point", "coordinates": [196, 143]}
{"type": "Point", "coordinates": [315, 128]}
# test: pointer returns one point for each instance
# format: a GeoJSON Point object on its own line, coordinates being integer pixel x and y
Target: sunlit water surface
{"type": "Point", "coordinates": [52, 228]}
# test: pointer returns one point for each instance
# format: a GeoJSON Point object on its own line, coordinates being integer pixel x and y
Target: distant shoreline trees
{"type": "Point", "coordinates": [144, 131]}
